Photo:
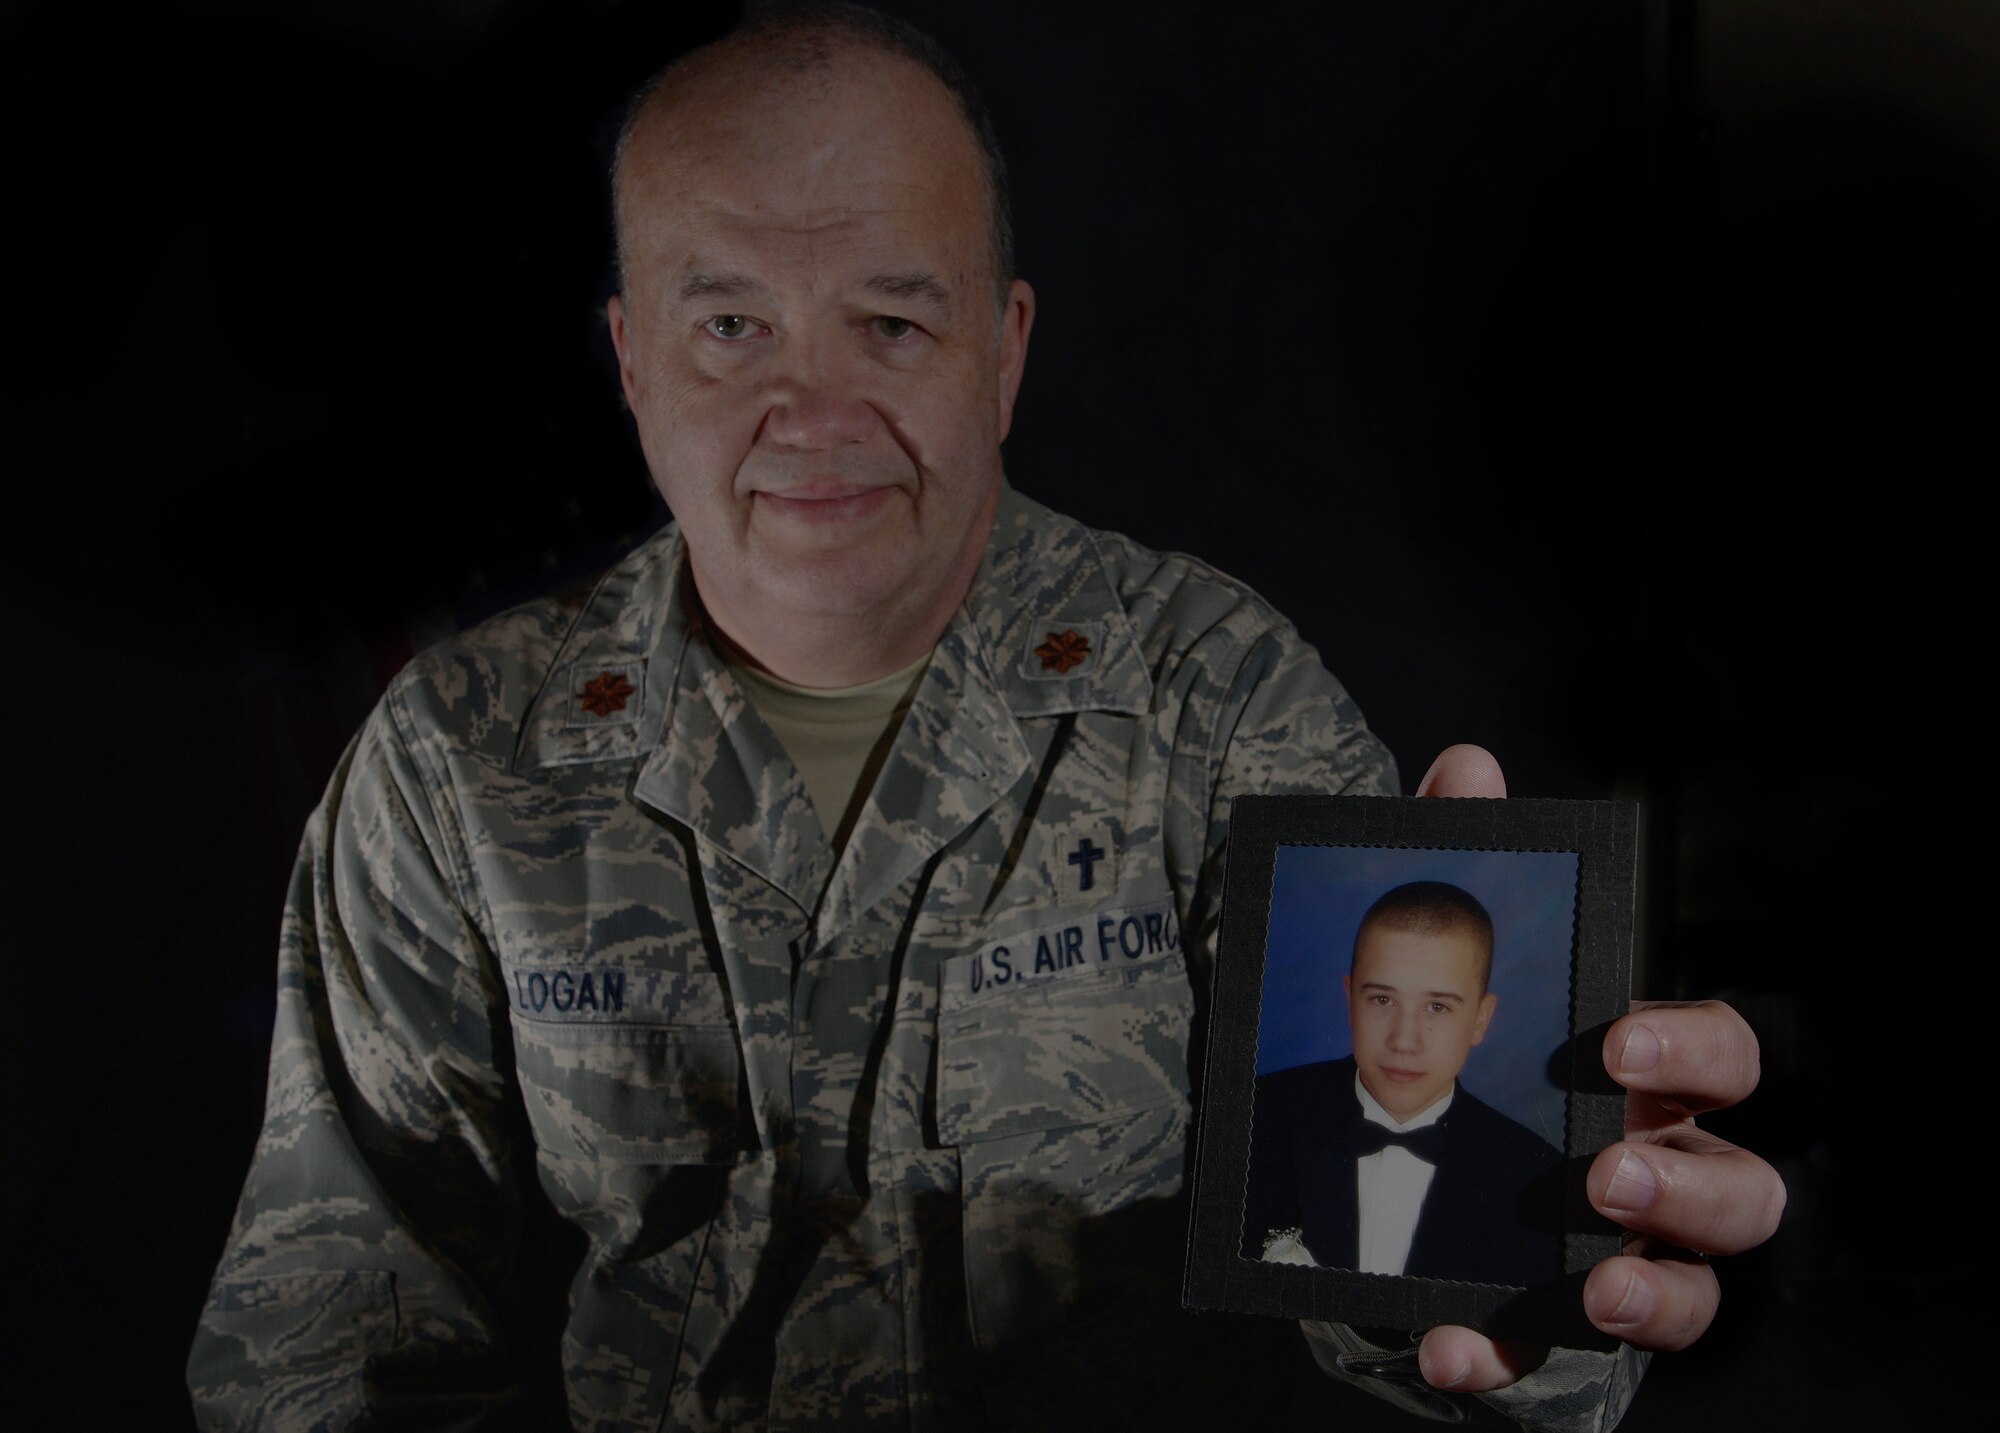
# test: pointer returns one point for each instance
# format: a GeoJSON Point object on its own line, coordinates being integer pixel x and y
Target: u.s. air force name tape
{"type": "Point", "coordinates": [1115, 938]}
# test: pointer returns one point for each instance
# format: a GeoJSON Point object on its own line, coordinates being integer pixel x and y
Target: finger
{"type": "Point", "coordinates": [1463, 771]}
{"type": "Point", "coordinates": [1690, 1189]}
{"type": "Point", "coordinates": [1690, 1057]}
{"type": "Point", "coordinates": [1458, 1358]}
{"type": "Point", "coordinates": [1654, 1303]}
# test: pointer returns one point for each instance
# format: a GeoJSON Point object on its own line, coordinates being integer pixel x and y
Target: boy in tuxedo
{"type": "Point", "coordinates": [1381, 1162]}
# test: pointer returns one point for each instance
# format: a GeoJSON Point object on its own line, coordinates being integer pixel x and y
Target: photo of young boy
{"type": "Point", "coordinates": [1382, 1161]}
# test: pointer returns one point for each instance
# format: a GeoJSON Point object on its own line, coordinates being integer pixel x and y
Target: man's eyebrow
{"type": "Point", "coordinates": [1397, 990]}
{"type": "Point", "coordinates": [715, 286]}
{"type": "Point", "coordinates": [910, 286]}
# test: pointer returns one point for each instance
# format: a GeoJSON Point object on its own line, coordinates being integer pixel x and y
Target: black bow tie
{"type": "Point", "coordinates": [1426, 1143]}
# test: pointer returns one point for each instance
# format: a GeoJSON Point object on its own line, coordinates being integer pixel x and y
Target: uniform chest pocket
{"type": "Point", "coordinates": [657, 1081]}
{"type": "Point", "coordinates": [1099, 1038]}
{"type": "Point", "coordinates": [1065, 1092]}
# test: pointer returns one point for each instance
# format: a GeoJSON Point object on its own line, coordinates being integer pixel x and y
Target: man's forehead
{"type": "Point", "coordinates": [746, 210]}
{"type": "Point", "coordinates": [715, 251]}
{"type": "Point", "coordinates": [1395, 956]}
{"type": "Point", "coordinates": [721, 227]}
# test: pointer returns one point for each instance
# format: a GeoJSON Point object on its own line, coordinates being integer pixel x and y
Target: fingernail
{"type": "Point", "coordinates": [1634, 1309]}
{"type": "Point", "coordinates": [1462, 1370]}
{"type": "Point", "coordinates": [1633, 1186]}
{"type": "Point", "coordinates": [1424, 786]}
{"type": "Point", "coordinates": [1641, 1052]}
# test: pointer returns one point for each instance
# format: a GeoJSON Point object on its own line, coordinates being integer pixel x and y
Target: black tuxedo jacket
{"type": "Point", "coordinates": [1492, 1214]}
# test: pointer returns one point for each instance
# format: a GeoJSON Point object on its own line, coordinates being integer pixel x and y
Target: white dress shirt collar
{"type": "Point", "coordinates": [1375, 1114]}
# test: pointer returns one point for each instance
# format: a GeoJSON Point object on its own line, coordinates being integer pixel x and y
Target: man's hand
{"type": "Point", "coordinates": [1679, 1186]}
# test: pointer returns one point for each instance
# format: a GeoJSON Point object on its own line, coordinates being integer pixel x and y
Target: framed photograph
{"type": "Point", "coordinates": [1404, 1081]}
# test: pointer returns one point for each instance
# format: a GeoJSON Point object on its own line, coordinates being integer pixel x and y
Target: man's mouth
{"type": "Point", "coordinates": [1401, 1077]}
{"type": "Point", "coordinates": [831, 502]}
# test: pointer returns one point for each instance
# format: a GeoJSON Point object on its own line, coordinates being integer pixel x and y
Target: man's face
{"type": "Point", "coordinates": [1416, 1008]}
{"type": "Point", "coordinates": [811, 343]}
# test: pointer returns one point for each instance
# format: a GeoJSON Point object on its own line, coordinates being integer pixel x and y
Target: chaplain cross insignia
{"type": "Point", "coordinates": [1063, 650]}
{"type": "Point", "coordinates": [605, 694]}
{"type": "Point", "coordinates": [1087, 854]}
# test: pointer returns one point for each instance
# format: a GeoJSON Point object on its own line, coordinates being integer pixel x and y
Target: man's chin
{"type": "Point", "coordinates": [1401, 1098]}
{"type": "Point", "coordinates": [839, 585]}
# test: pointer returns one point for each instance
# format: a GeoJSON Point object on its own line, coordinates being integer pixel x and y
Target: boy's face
{"type": "Point", "coordinates": [1416, 1009]}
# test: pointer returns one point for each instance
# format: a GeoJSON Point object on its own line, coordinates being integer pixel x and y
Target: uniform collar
{"type": "Point", "coordinates": [1042, 631]}
{"type": "Point", "coordinates": [605, 695]}
{"type": "Point", "coordinates": [1050, 620]}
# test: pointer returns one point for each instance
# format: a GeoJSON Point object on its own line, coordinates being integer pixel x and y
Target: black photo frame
{"type": "Point", "coordinates": [1282, 844]}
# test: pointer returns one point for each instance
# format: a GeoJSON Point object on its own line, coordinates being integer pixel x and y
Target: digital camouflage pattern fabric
{"type": "Point", "coordinates": [571, 979]}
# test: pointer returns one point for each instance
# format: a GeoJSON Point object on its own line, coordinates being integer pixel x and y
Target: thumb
{"type": "Point", "coordinates": [1463, 771]}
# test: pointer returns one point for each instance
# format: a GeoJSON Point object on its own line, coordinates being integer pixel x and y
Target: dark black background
{"type": "Point", "coordinates": [1609, 385]}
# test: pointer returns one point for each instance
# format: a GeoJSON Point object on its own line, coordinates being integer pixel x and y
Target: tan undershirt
{"type": "Point", "coordinates": [838, 737]}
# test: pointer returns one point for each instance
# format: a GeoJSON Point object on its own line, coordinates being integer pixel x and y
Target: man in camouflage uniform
{"type": "Point", "coordinates": [888, 1128]}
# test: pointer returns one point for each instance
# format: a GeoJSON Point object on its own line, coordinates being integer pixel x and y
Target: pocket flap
{"type": "Point", "coordinates": [1099, 1030]}
{"type": "Point", "coordinates": [654, 1078]}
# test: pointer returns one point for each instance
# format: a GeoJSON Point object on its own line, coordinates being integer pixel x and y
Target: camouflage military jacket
{"type": "Point", "coordinates": [570, 980]}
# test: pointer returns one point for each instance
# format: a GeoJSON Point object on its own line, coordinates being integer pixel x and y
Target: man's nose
{"type": "Point", "coordinates": [1404, 1032]}
{"type": "Point", "coordinates": [816, 405]}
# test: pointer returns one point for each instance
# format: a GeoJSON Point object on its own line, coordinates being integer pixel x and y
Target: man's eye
{"type": "Point", "coordinates": [890, 327]}
{"type": "Point", "coordinates": [729, 325]}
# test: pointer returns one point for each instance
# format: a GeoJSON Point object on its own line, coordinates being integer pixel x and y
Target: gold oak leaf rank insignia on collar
{"type": "Point", "coordinates": [605, 694]}
{"type": "Point", "coordinates": [1064, 650]}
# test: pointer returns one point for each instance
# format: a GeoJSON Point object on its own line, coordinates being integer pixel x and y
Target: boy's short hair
{"type": "Point", "coordinates": [1432, 908]}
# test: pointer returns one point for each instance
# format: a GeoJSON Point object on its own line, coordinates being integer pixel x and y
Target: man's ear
{"type": "Point", "coordinates": [1486, 1004]}
{"type": "Point", "coordinates": [1347, 987]}
{"type": "Point", "coordinates": [1016, 320]}
{"type": "Point", "coordinates": [621, 340]}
